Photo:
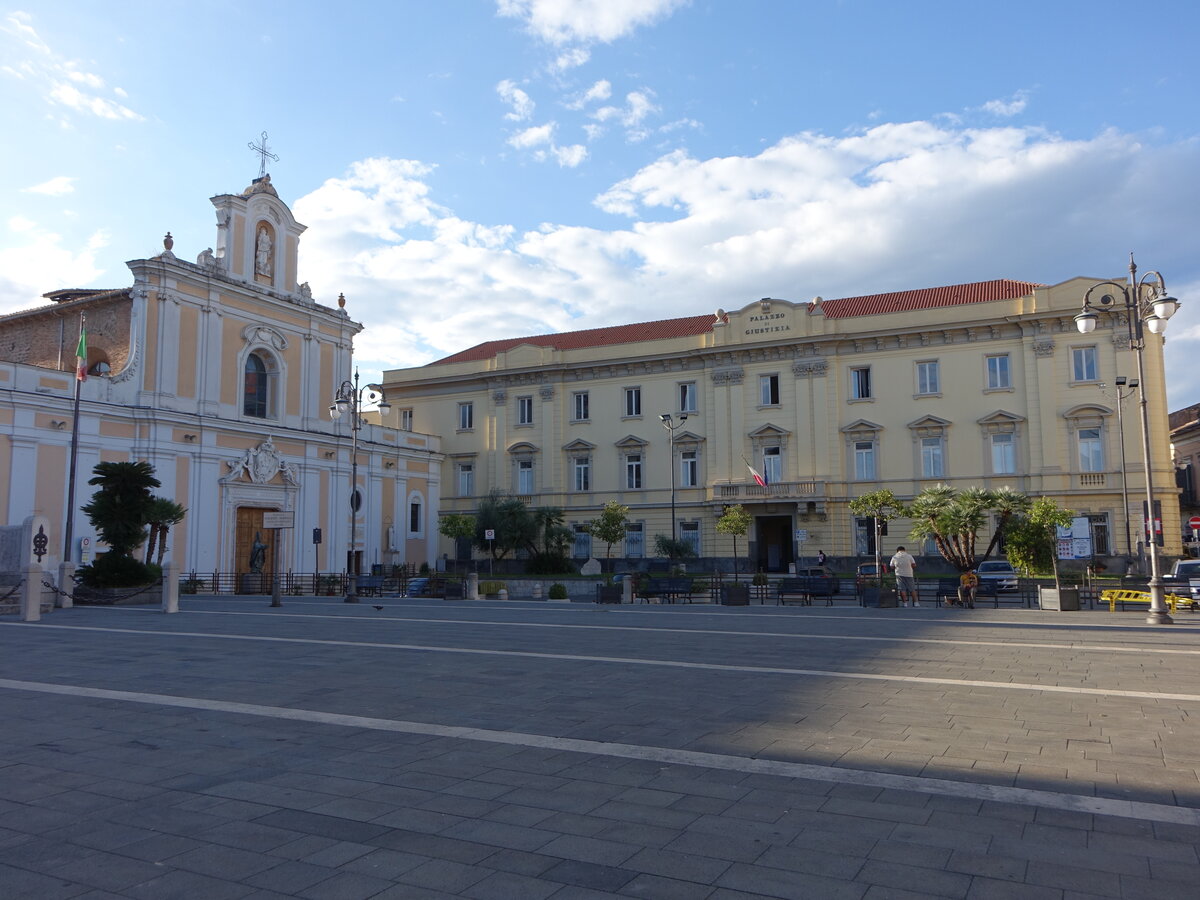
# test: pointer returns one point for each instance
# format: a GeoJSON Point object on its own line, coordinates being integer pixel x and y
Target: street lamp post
{"type": "Point", "coordinates": [672, 426]}
{"type": "Point", "coordinates": [1146, 305]}
{"type": "Point", "coordinates": [351, 398]}
{"type": "Point", "coordinates": [1121, 396]}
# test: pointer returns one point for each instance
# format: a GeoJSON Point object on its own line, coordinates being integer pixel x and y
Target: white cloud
{"type": "Point", "coordinates": [1008, 108]}
{"type": "Point", "coordinates": [586, 21]}
{"type": "Point", "coordinates": [38, 262]}
{"type": "Point", "coordinates": [533, 137]}
{"type": "Point", "coordinates": [61, 81]}
{"type": "Point", "coordinates": [897, 206]}
{"type": "Point", "coordinates": [522, 105]}
{"type": "Point", "coordinates": [570, 59]}
{"type": "Point", "coordinates": [638, 106]}
{"type": "Point", "coordinates": [55, 187]}
{"type": "Point", "coordinates": [598, 92]}
{"type": "Point", "coordinates": [570, 157]}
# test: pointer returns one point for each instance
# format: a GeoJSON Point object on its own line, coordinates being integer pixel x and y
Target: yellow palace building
{"type": "Point", "coordinates": [986, 384]}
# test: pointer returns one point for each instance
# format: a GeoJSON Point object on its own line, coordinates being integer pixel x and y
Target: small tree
{"type": "Point", "coordinates": [1032, 537]}
{"type": "Point", "coordinates": [119, 511]}
{"type": "Point", "coordinates": [672, 548]}
{"type": "Point", "coordinates": [952, 519]}
{"type": "Point", "coordinates": [610, 527]}
{"type": "Point", "coordinates": [457, 527]}
{"type": "Point", "coordinates": [735, 522]}
{"type": "Point", "coordinates": [879, 506]}
{"type": "Point", "coordinates": [509, 519]}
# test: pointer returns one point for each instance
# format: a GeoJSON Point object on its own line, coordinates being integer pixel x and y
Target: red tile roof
{"type": "Point", "coordinates": [846, 307]}
{"type": "Point", "coordinates": [592, 337]}
{"type": "Point", "coordinates": [927, 298]}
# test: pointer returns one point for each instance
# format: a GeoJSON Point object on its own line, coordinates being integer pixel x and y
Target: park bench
{"type": "Point", "coordinates": [1114, 597]}
{"type": "Point", "coordinates": [667, 590]}
{"type": "Point", "coordinates": [803, 588]}
{"type": "Point", "coordinates": [370, 585]}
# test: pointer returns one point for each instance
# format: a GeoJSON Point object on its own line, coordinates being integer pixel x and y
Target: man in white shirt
{"type": "Point", "coordinates": [906, 583]}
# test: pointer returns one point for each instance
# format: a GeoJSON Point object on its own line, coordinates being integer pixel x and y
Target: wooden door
{"type": "Point", "coordinates": [249, 525]}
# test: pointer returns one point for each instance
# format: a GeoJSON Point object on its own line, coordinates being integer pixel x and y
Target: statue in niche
{"type": "Point", "coordinates": [258, 553]}
{"type": "Point", "coordinates": [263, 263]}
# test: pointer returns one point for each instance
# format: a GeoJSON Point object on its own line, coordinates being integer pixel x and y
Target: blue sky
{"type": "Point", "coordinates": [473, 169]}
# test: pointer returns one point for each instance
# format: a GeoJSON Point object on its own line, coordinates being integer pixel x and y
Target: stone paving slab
{"type": "Point", "coordinates": [535, 750]}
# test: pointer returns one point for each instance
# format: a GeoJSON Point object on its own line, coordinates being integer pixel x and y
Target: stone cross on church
{"type": "Point", "coordinates": [264, 153]}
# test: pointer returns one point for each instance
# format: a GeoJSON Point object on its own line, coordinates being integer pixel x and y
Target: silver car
{"type": "Point", "coordinates": [996, 574]}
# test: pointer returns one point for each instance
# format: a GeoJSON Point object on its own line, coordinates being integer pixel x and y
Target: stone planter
{"type": "Point", "coordinates": [735, 595]}
{"type": "Point", "coordinates": [879, 599]}
{"type": "Point", "coordinates": [608, 593]}
{"type": "Point", "coordinates": [1059, 599]}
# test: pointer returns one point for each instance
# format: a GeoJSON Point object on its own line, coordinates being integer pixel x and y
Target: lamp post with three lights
{"type": "Point", "coordinates": [1147, 307]}
{"type": "Point", "coordinates": [1121, 395]}
{"type": "Point", "coordinates": [351, 398]}
{"type": "Point", "coordinates": [669, 423]}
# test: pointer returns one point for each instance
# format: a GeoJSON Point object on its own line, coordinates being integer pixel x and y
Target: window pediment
{"type": "Point", "coordinates": [579, 445]}
{"type": "Point", "coordinates": [1000, 422]}
{"type": "Point", "coordinates": [631, 442]}
{"type": "Point", "coordinates": [861, 430]}
{"type": "Point", "coordinates": [523, 448]}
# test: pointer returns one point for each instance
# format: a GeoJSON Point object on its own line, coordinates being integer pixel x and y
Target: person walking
{"type": "Point", "coordinates": [820, 557]}
{"type": "Point", "coordinates": [903, 565]}
{"type": "Point", "coordinates": [968, 583]}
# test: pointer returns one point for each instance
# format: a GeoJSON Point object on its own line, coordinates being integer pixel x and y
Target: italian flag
{"type": "Point", "coordinates": [756, 475]}
{"type": "Point", "coordinates": [81, 356]}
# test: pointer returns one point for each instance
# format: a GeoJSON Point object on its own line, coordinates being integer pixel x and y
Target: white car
{"type": "Point", "coordinates": [996, 574]}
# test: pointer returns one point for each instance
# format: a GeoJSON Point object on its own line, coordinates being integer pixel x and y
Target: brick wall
{"type": "Point", "coordinates": [36, 338]}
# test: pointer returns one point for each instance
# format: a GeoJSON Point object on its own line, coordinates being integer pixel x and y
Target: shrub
{"type": "Point", "coordinates": [548, 564]}
{"type": "Point", "coordinates": [759, 579]}
{"type": "Point", "coordinates": [115, 570]}
{"type": "Point", "coordinates": [424, 570]}
{"type": "Point", "coordinates": [491, 587]}
{"type": "Point", "coordinates": [558, 591]}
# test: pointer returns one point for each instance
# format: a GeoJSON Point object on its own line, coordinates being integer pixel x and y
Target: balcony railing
{"type": "Point", "coordinates": [738, 491]}
{"type": "Point", "coordinates": [1093, 479]}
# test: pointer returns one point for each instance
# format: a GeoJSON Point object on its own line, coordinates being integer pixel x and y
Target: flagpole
{"type": "Point", "coordinates": [80, 375]}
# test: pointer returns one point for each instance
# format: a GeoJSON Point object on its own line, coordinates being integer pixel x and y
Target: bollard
{"type": "Point", "coordinates": [170, 594]}
{"type": "Point", "coordinates": [473, 586]}
{"type": "Point", "coordinates": [627, 589]}
{"type": "Point", "coordinates": [503, 593]}
{"type": "Point", "coordinates": [66, 584]}
{"type": "Point", "coordinates": [31, 595]}
{"type": "Point", "coordinates": [537, 590]}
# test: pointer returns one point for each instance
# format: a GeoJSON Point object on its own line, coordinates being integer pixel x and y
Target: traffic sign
{"type": "Point", "coordinates": [489, 534]}
{"type": "Point", "coordinates": [1194, 523]}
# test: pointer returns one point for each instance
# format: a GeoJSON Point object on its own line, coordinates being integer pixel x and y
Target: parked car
{"type": "Point", "coordinates": [416, 587]}
{"type": "Point", "coordinates": [822, 572]}
{"type": "Point", "coordinates": [996, 575]}
{"type": "Point", "coordinates": [866, 574]}
{"type": "Point", "coordinates": [1184, 579]}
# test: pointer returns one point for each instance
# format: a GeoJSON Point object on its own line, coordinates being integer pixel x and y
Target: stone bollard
{"type": "Point", "coordinates": [473, 586]}
{"type": "Point", "coordinates": [537, 590]}
{"type": "Point", "coordinates": [31, 595]}
{"type": "Point", "coordinates": [170, 595]}
{"type": "Point", "coordinates": [627, 589]}
{"type": "Point", "coordinates": [503, 593]}
{"type": "Point", "coordinates": [66, 584]}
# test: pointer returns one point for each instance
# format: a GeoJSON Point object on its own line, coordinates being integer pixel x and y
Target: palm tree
{"type": "Point", "coordinates": [119, 508]}
{"type": "Point", "coordinates": [162, 514]}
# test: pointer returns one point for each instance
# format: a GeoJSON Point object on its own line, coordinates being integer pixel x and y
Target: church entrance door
{"type": "Point", "coordinates": [249, 532]}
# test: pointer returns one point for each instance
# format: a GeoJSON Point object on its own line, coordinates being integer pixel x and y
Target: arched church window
{"type": "Point", "coordinates": [258, 393]}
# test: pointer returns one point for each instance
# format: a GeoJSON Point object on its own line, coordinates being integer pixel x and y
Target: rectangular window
{"type": "Point", "coordinates": [772, 465]}
{"type": "Point", "coordinates": [1083, 364]}
{"type": "Point", "coordinates": [768, 390]}
{"type": "Point", "coordinates": [928, 380]}
{"type": "Point", "coordinates": [864, 460]}
{"type": "Point", "coordinates": [1091, 453]}
{"type": "Point", "coordinates": [689, 468]}
{"type": "Point", "coordinates": [633, 471]}
{"type": "Point", "coordinates": [689, 533]}
{"type": "Point", "coordinates": [998, 377]}
{"type": "Point", "coordinates": [466, 416]}
{"type": "Point", "coordinates": [687, 397]}
{"type": "Point", "coordinates": [525, 476]}
{"type": "Point", "coordinates": [406, 420]}
{"type": "Point", "coordinates": [860, 383]}
{"type": "Point", "coordinates": [633, 401]}
{"type": "Point", "coordinates": [580, 401]}
{"type": "Point", "coordinates": [1098, 525]}
{"type": "Point", "coordinates": [525, 410]}
{"type": "Point", "coordinates": [582, 467]}
{"type": "Point", "coordinates": [932, 463]}
{"type": "Point", "coordinates": [582, 548]}
{"type": "Point", "coordinates": [635, 540]}
{"type": "Point", "coordinates": [414, 517]}
{"type": "Point", "coordinates": [1004, 455]}
{"type": "Point", "coordinates": [466, 480]}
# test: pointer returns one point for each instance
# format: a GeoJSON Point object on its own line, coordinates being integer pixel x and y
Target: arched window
{"type": "Point", "coordinates": [258, 390]}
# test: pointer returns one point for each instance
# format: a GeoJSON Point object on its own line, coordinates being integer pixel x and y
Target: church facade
{"type": "Point", "coordinates": [220, 373]}
{"type": "Point", "coordinates": [974, 385]}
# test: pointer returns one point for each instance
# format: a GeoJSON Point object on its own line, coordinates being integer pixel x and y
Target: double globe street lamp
{"type": "Point", "coordinates": [350, 398]}
{"type": "Point", "coordinates": [1147, 307]}
{"type": "Point", "coordinates": [672, 426]}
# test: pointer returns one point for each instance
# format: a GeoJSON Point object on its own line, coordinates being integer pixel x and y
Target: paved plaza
{"type": "Point", "coordinates": [431, 749]}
